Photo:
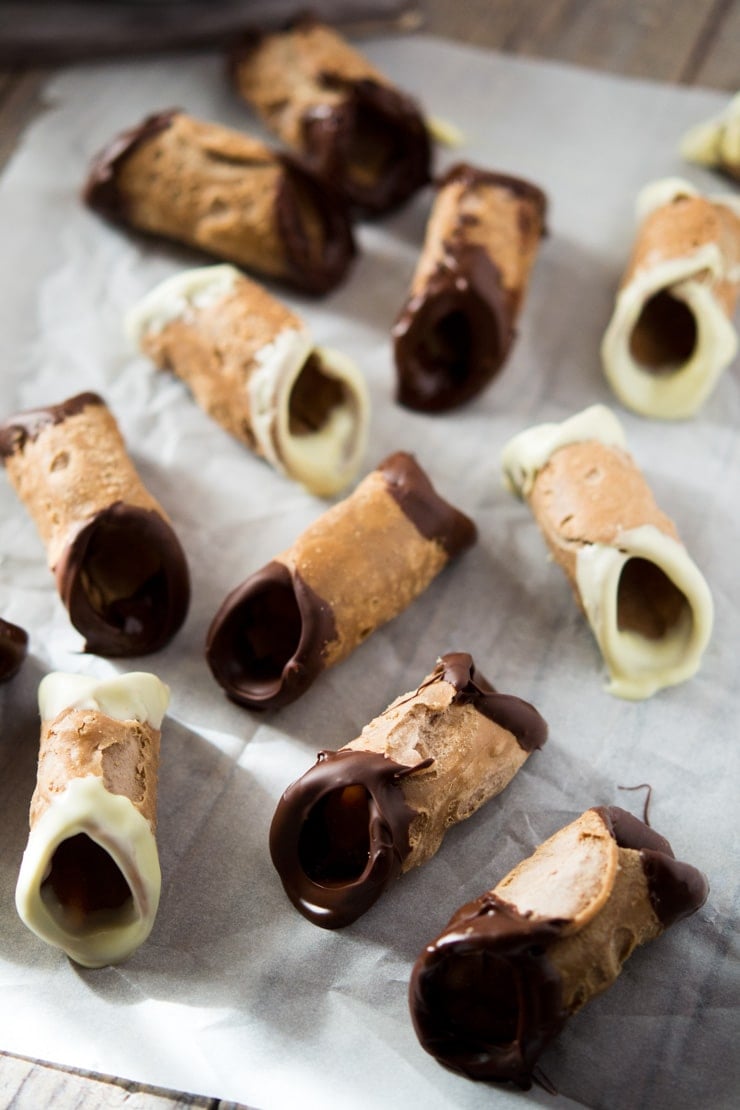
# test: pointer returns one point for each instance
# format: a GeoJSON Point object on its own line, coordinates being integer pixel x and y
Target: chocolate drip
{"type": "Point", "coordinates": [101, 190]}
{"type": "Point", "coordinates": [124, 580]}
{"type": "Point", "coordinates": [16, 432]}
{"type": "Point", "coordinates": [484, 998]}
{"type": "Point", "coordinates": [676, 889]}
{"type": "Point", "coordinates": [13, 649]}
{"type": "Point", "coordinates": [432, 516]}
{"type": "Point", "coordinates": [266, 643]}
{"type": "Point", "coordinates": [327, 880]}
{"type": "Point", "coordinates": [512, 713]}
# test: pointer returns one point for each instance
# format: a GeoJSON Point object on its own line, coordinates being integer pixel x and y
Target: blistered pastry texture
{"type": "Point", "coordinates": [459, 321]}
{"type": "Point", "coordinates": [646, 601]}
{"type": "Point", "coordinates": [498, 984]}
{"type": "Point", "coordinates": [252, 365]}
{"type": "Point", "coordinates": [90, 880]}
{"type": "Point", "coordinates": [227, 194]}
{"type": "Point", "coordinates": [347, 121]}
{"type": "Point", "coordinates": [358, 566]}
{"type": "Point", "coordinates": [671, 334]}
{"type": "Point", "coordinates": [429, 761]}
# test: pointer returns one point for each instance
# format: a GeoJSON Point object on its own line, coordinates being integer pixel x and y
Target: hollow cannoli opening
{"type": "Point", "coordinates": [125, 581]}
{"type": "Point", "coordinates": [85, 888]}
{"type": "Point", "coordinates": [315, 395]}
{"type": "Point", "coordinates": [264, 645]}
{"type": "Point", "coordinates": [648, 602]}
{"type": "Point", "coordinates": [665, 335]}
{"type": "Point", "coordinates": [334, 844]}
{"type": "Point", "coordinates": [477, 999]}
{"type": "Point", "coordinates": [375, 145]}
{"type": "Point", "coordinates": [315, 228]}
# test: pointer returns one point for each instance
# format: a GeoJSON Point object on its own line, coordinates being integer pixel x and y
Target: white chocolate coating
{"type": "Point", "coordinates": [106, 936]}
{"type": "Point", "coordinates": [526, 454]}
{"type": "Point", "coordinates": [677, 391]}
{"type": "Point", "coordinates": [136, 696]}
{"type": "Point", "coordinates": [177, 296]}
{"type": "Point", "coordinates": [716, 142]}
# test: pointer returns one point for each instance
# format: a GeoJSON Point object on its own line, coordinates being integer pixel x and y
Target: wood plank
{"type": "Point", "coordinates": [716, 60]}
{"type": "Point", "coordinates": [20, 100]}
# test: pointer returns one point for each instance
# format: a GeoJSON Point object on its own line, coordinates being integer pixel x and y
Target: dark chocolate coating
{"type": "Point", "coordinates": [101, 190]}
{"type": "Point", "coordinates": [27, 426]}
{"type": "Point", "coordinates": [133, 624]}
{"type": "Point", "coordinates": [453, 336]}
{"type": "Point", "coordinates": [389, 816]}
{"type": "Point", "coordinates": [267, 643]}
{"type": "Point", "coordinates": [13, 649]}
{"type": "Point", "coordinates": [334, 904]}
{"type": "Point", "coordinates": [485, 999]}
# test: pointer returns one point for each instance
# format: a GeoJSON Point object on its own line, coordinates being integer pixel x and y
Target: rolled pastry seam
{"type": "Point", "coordinates": [252, 365]}
{"type": "Point", "coordinates": [646, 601]}
{"type": "Point", "coordinates": [349, 124]}
{"type": "Point", "coordinates": [119, 567]}
{"type": "Point", "coordinates": [226, 194]}
{"type": "Point", "coordinates": [13, 649]}
{"type": "Point", "coordinates": [716, 142]}
{"type": "Point", "coordinates": [500, 981]}
{"type": "Point", "coordinates": [381, 805]}
{"type": "Point", "coordinates": [90, 881]}
{"type": "Point", "coordinates": [459, 321]}
{"type": "Point", "coordinates": [671, 336]}
{"type": "Point", "coordinates": [358, 566]}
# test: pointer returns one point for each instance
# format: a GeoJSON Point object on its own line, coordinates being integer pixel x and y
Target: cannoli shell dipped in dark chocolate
{"type": "Point", "coordinates": [380, 806]}
{"type": "Point", "coordinates": [119, 567]}
{"type": "Point", "coordinates": [501, 980]}
{"type": "Point", "coordinates": [346, 120]}
{"type": "Point", "coordinates": [227, 194]}
{"type": "Point", "coordinates": [458, 324]}
{"type": "Point", "coordinates": [358, 566]}
{"type": "Point", "coordinates": [13, 649]}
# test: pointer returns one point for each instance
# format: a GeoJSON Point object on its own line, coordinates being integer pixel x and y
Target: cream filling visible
{"type": "Point", "coordinates": [137, 696]}
{"type": "Point", "coordinates": [676, 391]}
{"type": "Point", "coordinates": [716, 142]}
{"type": "Point", "coordinates": [113, 822]}
{"type": "Point", "coordinates": [175, 297]}
{"type": "Point", "coordinates": [326, 460]}
{"type": "Point", "coordinates": [639, 666]}
{"type": "Point", "coordinates": [526, 453]}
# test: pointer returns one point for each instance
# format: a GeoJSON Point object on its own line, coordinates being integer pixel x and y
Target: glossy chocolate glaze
{"type": "Point", "coordinates": [432, 516]}
{"type": "Point", "coordinates": [13, 649]}
{"type": "Point", "coordinates": [16, 432]}
{"type": "Point", "coordinates": [324, 901]}
{"type": "Point", "coordinates": [315, 267]}
{"type": "Point", "coordinates": [137, 605]}
{"type": "Point", "coordinates": [453, 336]}
{"type": "Point", "coordinates": [512, 713]}
{"type": "Point", "coordinates": [485, 999]}
{"type": "Point", "coordinates": [101, 190]}
{"type": "Point", "coordinates": [266, 643]}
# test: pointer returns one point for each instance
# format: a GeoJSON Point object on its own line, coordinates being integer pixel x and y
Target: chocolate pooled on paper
{"type": "Point", "coordinates": [457, 326]}
{"type": "Point", "coordinates": [227, 194]}
{"type": "Point", "coordinates": [500, 981]}
{"type": "Point", "coordinates": [355, 568]}
{"type": "Point", "coordinates": [347, 122]}
{"type": "Point", "coordinates": [381, 805]}
{"type": "Point", "coordinates": [119, 567]}
{"type": "Point", "coordinates": [13, 649]}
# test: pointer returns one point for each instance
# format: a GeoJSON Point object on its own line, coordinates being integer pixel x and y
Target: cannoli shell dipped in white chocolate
{"type": "Point", "coordinates": [671, 334]}
{"type": "Point", "coordinates": [716, 143]}
{"type": "Point", "coordinates": [349, 124]}
{"type": "Point", "coordinates": [457, 326]}
{"type": "Point", "coordinates": [381, 805]}
{"type": "Point", "coordinates": [500, 981]}
{"type": "Point", "coordinates": [227, 194]}
{"type": "Point", "coordinates": [90, 880]}
{"type": "Point", "coordinates": [118, 565]}
{"type": "Point", "coordinates": [358, 566]}
{"type": "Point", "coordinates": [252, 365]}
{"type": "Point", "coordinates": [647, 603]}
{"type": "Point", "coordinates": [13, 649]}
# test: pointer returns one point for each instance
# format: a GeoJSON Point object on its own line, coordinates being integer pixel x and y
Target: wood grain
{"type": "Point", "coordinates": [685, 41]}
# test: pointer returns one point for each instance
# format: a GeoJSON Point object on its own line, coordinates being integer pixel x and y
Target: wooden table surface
{"type": "Point", "coordinates": [691, 42]}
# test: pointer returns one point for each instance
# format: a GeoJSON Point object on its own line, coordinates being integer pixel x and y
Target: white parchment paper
{"type": "Point", "coordinates": [235, 995]}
